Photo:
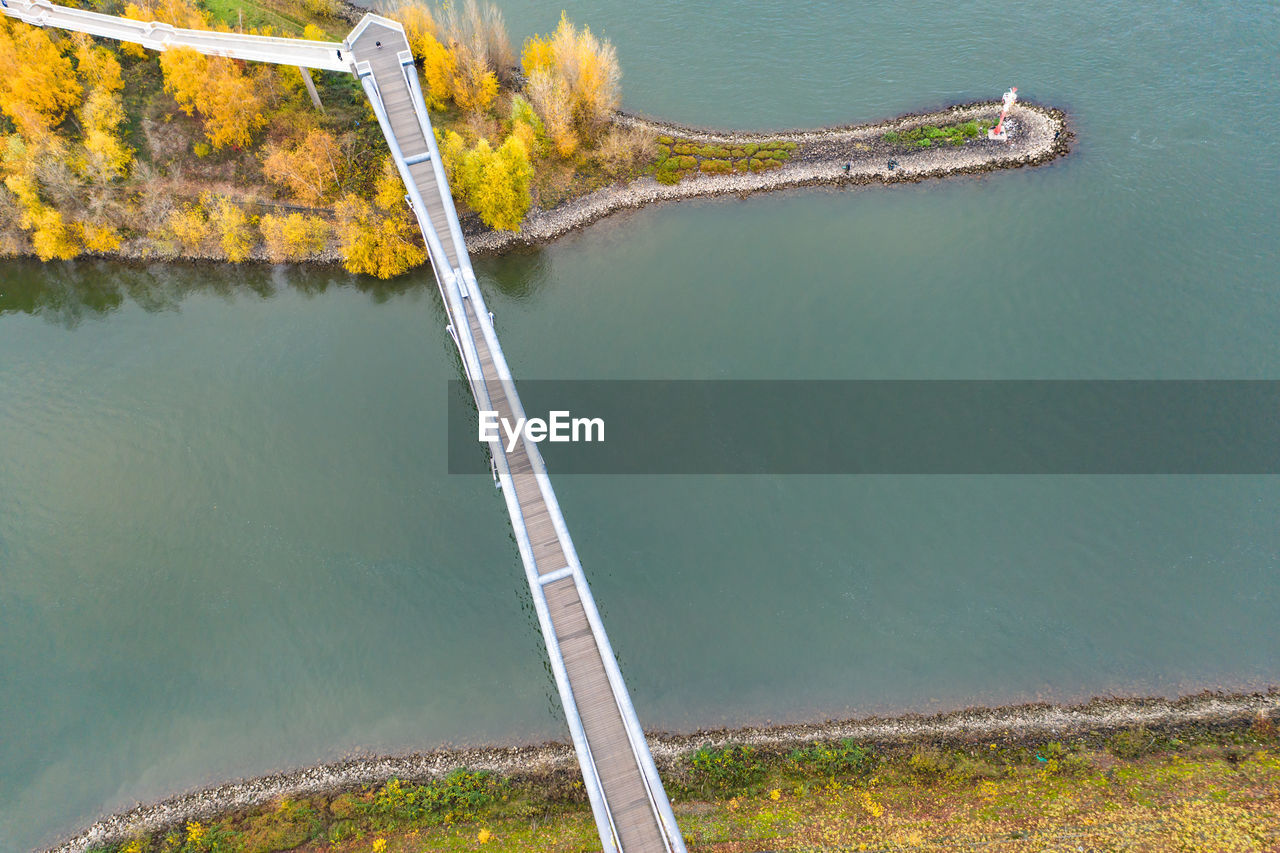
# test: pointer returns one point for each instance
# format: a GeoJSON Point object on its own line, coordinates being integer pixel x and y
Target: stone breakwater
{"type": "Point", "coordinates": [1011, 725]}
{"type": "Point", "coordinates": [1036, 135]}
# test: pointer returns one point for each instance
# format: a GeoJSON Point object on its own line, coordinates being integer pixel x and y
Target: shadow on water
{"type": "Point", "coordinates": [67, 293]}
{"type": "Point", "coordinates": [518, 274]}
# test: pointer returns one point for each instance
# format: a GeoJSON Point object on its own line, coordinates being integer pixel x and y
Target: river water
{"type": "Point", "coordinates": [228, 543]}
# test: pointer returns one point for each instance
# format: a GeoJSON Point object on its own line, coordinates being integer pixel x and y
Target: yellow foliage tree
{"type": "Point", "coordinates": [51, 236]}
{"type": "Point", "coordinates": [551, 98]}
{"type": "Point", "coordinates": [227, 99]}
{"type": "Point", "coordinates": [463, 57]}
{"type": "Point", "coordinates": [573, 79]}
{"type": "Point", "coordinates": [439, 68]}
{"type": "Point", "coordinates": [235, 233]}
{"type": "Point", "coordinates": [294, 237]}
{"type": "Point", "coordinates": [37, 83]}
{"type": "Point", "coordinates": [97, 66]}
{"type": "Point", "coordinates": [189, 228]}
{"type": "Point", "coordinates": [419, 25]}
{"type": "Point", "coordinates": [310, 168]}
{"type": "Point", "coordinates": [102, 113]}
{"type": "Point", "coordinates": [106, 155]}
{"type": "Point", "coordinates": [495, 184]}
{"type": "Point", "coordinates": [380, 238]}
{"type": "Point", "coordinates": [475, 85]}
{"type": "Point", "coordinates": [100, 238]}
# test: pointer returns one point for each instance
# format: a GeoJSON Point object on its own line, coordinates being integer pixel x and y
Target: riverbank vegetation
{"type": "Point", "coordinates": [108, 148]}
{"type": "Point", "coordinates": [928, 135]}
{"type": "Point", "coordinates": [1191, 789]}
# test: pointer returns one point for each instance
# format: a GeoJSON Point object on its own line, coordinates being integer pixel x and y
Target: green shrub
{"type": "Point", "coordinates": [714, 151]}
{"type": "Point", "coordinates": [843, 758]}
{"type": "Point", "coordinates": [755, 165]}
{"type": "Point", "coordinates": [665, 140]}
{"type": "Point", "coordinates": [725, 771]}
{"type": "Point", "coordinates": [749, 149]}
{"type": "Point", "coordinates": [684, 148]}
{"type": "Point", "coordinates": [665, 174]}
{"type": "Point", "coordinates": [926, 135]}
{"type": "Point", "coordinates": [716, 167]}
{"type": "Point", "coordinates": [773, 154]}
{"type": "Point", "coordinates": [460, 796]}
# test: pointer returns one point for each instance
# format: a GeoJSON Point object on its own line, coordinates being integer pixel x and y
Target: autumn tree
{"type": "Point", "coordinates": [573, 81]}
{"type": "Point", "coordinates": [527, 125]}
{"type": "Point", "coordinates": [380, 238]}
{"type": "Point", "coordinates": [232, 226]}
{"type": "Point", "coordinates": [188, 227]}
{"type": "Point", "coordinates": [37, 82]}
{"type": "Point", "coordinates": [464, 51]}
{"type": "Point", "coordinates": [294, 237]}
{"type": "Point", "coordinates": [551, 97]}
{"type": "Point", "coordinates": [310, 168]}
{"type": "Point", "coordinates": [227, 99]}
{"type": "Point", "coordinates": [102, 113]}
{"type": "Point", "coordinates": [495, 184]}
{"type": "Point", "coordinates": [52, 236]}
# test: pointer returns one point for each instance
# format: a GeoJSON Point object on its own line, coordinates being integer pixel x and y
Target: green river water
{"type": "Point", "coordinates": [228, 543]}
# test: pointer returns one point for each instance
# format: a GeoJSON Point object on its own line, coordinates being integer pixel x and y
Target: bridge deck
{"type": "Point", "coordinates": [632, 816]}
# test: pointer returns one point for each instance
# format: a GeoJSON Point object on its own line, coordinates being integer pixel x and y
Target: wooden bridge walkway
{"type": "Point", "coordinates": [630, 805]}
{"type": "Point", "coordinates": [627, 798]}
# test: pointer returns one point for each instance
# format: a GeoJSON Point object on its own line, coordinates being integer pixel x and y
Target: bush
{"type": "Point", "coordinates": [843, 758]}
{"type": "Point", "coordinates": [716, 167]}
{"type": "Point", "coordinates": [684, 148]}
{"type": "Point", "coordinates": [725, 770]}
{"type": "Point", "coordinates": [461, 796]}
{"type": "Point", "coordinates": [714, 151]}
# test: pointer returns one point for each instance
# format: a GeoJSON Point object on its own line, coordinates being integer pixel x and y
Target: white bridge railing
{"type": "Point", "coordinates": [327, 55]}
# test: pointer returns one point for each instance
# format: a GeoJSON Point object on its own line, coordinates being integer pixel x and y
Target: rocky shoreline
{"type": "Point", "coordinates": [1014, 725]}
{"type": "Point", "coordinates": [1036, 135]}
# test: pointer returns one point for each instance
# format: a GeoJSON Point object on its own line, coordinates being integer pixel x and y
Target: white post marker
{"type": "Point", "coordinates": [998, 132]}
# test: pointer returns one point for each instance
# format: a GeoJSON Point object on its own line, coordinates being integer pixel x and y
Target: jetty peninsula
{"type": "Point", "coordinates": [181, 147]}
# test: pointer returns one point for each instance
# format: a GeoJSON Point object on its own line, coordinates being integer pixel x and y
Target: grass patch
{"type": "Point", "coordinates": [929, 135]}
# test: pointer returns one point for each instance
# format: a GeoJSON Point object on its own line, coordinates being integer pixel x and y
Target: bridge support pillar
{"type": "Point", "coordinates": [311, 87]}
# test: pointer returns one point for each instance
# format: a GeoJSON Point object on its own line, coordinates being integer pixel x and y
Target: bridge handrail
{"type": "Point", "coordinates": [157, 35]}
{"type": "Point", "coordinates": [449, 288]}
{"type": "Point", "coordinates": [635, 734]}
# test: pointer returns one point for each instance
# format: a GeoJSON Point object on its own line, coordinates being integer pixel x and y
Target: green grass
{"type": "Point", "coordinates": [929, 135]}
{"type": "Point", "coordinates": [285, 17]}
{"type": "Point", "coordinates": [679, 158]}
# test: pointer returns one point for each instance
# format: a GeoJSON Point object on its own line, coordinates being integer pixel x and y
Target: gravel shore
{"type": "Point", "coordinates": [1036, 135]}
{"type": "Point", "coordinates": [1011, 725]}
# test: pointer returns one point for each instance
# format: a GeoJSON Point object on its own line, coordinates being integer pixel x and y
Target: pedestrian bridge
{"type": "Point", "coordinates": [631, 808]}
